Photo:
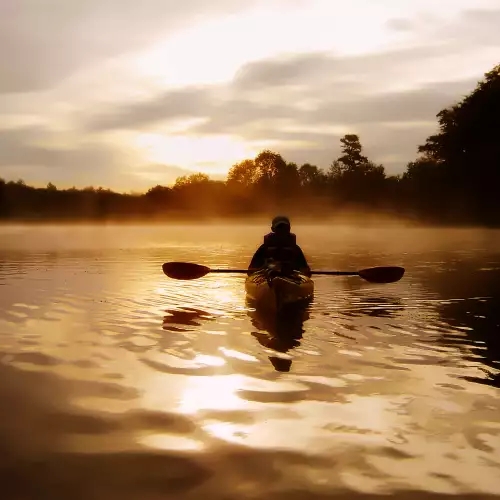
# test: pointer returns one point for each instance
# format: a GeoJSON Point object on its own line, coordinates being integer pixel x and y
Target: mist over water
{"type": "Point", "coordinates": [119, 383]}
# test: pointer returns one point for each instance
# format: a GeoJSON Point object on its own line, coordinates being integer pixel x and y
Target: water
{"type": "Point", "coordinates": [118, 383]}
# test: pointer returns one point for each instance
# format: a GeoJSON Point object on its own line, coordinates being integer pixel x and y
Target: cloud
{"type": "Point", "coordinates": [400, 24]}
{"type": "Point", "coordinates": [44, 41]}
{"type": "Point", "coordinates": [285, 71]}
{"type": "Point", "coordinates": [184, 103]}
{"type": "Point", "coordinates": [478, 27]}
{"type": "Point", "coordinates": [403, 106]}
{"type": "Point", "coordinates": [298, 104]}
{"type": "Point", "coordinates": [312, 96]}
{"type": "Point", "coordinates": [312, 71]}
{"type": "Point", "coordinates": [472, 27]}
{"type": "Point", "coordinates": [315, 68]}
{"type": "Point", "coordinates": [26, 153]}
{"type": "Point", "coordinates": [341, 90]}
{"type": "Point", "coordinates": [23, 146]}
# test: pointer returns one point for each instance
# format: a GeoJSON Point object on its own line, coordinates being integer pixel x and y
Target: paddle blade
{"type": "Point", "coordinates": [184, 270]}
{"type": "Point", "coordinates": [382, 274]}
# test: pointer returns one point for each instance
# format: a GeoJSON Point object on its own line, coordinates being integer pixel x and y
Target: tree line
{"type": "Point", "coordinates": [455, 179]}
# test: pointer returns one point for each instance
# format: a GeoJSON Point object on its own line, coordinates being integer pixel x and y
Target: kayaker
{"type": "Point", "coordinates": [280, 251]}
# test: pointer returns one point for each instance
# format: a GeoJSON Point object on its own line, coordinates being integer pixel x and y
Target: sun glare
{"type": "Point", "coordinates": [211, 393]}
{"type": "Point", "coordinates": [209, 154]}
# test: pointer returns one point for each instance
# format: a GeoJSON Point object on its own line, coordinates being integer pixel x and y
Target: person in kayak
{"type": "Point", "coordinates": [280, 251]}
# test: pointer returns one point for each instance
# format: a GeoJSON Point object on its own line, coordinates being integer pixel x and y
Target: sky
{"type": "Point", "coordinates": [127, 95]}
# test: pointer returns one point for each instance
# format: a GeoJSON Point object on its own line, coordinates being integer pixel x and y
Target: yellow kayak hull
{"type": "Point", "coordinates": [275, 292]}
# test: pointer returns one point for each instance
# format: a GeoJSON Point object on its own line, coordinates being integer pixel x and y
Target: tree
{"type": "Point", "coordinates": [313, 181]}
{"type": "Point", "coordinates": [158, 197]}
{"type": "Point", "coordinates": [287, 180]}
{"type": "Point", "coordinates": [191, 180]}
{"type": "Point", "coordinates": [244, 173]}
{"type": "Point", "coordinates": [308, 174]}
{"type": "Point", "coordinates": [352, 158]}
{"type": "Point", "coordinates": [353, 177]}
{"type": "Point", "coordinates": [467, 152]}
{"type": "Point", "coordinates": [470, 127]}
{"type": "Point", "coordinates": [422, 184]}
{"type": "Point", "coordinates": [269, 165]}
{"type": "Point", "coordinates": [3, 201]}
{"type": "Point", "coordinates": [351, 163]}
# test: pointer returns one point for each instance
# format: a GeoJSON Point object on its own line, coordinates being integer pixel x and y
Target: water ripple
{"type": "Point", "coordinates": [121, 383]}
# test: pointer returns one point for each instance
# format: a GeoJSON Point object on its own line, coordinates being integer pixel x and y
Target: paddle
{"type": "Point", "coordinates": [190, 271]}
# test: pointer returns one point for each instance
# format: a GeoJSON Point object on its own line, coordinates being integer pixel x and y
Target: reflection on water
{"type": "Point", "coordinates": [177, 320]}
{"type": "Point", "coordinates": [117, 382]}
{"type": "Point", "coordinates": [279, 332]}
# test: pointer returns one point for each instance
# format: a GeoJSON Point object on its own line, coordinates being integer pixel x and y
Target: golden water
{"type": "Point", "coordinates": [118, 383]}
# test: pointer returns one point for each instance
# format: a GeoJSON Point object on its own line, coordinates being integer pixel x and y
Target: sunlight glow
{"type": "Point", "coordinates": [210, 154]}
{"type": "Point", "coordinates": [233, 433]}
{"type": "Point", "coordinates": [231, 353]}
{"type": "Point", "coordinates": [214, 393]}
{"type": "Point", "coordinates": [169, 442]}
{"type": "Point", "coordinates": [212, 51]}
{"type": "Point", "coordinates": [226, 292]}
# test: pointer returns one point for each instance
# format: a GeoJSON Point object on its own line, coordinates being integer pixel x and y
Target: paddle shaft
{"type": "Point", "coordinates": [326, 273]}
{"type": "Point", "coordinates": [229, 271]}
{"type": "Point", "coordinates": [336, 273]}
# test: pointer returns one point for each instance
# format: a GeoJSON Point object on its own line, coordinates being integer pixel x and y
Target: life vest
{"type": "Point", "coordinates": [285, 240]}
{"type": "Point", "coordinates": [281, 248]}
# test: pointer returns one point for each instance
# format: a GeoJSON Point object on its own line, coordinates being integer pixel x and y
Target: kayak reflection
{"type": "Point", "coordinates": [178, 319]}
{"type": "Point", "coordinates": [279, 331]}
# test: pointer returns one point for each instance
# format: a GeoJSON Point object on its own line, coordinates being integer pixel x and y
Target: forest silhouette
{"type": "Point", "coordinates": [454, 180]}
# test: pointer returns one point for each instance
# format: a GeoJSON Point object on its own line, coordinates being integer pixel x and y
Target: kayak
{"type": "Point", "coordinates": [275, 291]}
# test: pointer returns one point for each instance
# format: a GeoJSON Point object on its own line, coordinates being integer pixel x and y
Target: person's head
{"type": "Point", "coordinates": [280, 225]}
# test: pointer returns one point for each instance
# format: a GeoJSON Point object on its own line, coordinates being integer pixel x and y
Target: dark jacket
{"type": "Point", "coordinates": [279, 248]}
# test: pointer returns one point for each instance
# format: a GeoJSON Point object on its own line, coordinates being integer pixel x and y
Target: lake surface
{"type": "Point", "coordinates": [119, 383]}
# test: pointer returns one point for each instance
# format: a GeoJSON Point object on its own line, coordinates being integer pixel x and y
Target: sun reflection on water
{"type": "Point", "coordinates": [212, 393]}
{"type": "Point", "coordinates": [169, 442]}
